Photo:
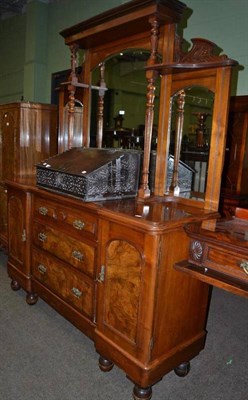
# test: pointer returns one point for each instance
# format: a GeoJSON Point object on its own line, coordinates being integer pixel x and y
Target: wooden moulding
{"type": "Point", "coordinates": [128, 19]}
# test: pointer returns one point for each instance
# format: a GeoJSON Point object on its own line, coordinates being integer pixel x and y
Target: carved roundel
{"type": "Point", "coordinates": [196, 250]}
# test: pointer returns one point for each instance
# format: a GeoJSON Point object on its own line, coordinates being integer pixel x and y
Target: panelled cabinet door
{"type": "Point", "coordinates": [123, 303]}
{"type": "Point", "coordinates": [17, 232]}
{"type": "Point", "coordinates": [9, 121]}
{"type": "Point", "coordinates": [3, 215]}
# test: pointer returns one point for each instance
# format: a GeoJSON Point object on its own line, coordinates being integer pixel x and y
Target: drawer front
{"type": "Point", "coordinates": [71, 285]}
{"type": "Point", "coordinates": [74, 221]}
{"type": "Point", "coordinates": [227, 263]}
{"type": "Point", "coordinates": [75, 252]}
{"type": "Point", "coordinates": [220, 259]}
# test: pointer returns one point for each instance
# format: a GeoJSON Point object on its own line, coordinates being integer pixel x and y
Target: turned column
{"type": "Point", "coordinates": [178, 142]}
{"type": "Point", "coordinates": [151, 77]}
{"type": "Point", "coordinates": [72, 90]}
{"type": "Point", "coordinates": [100, 106]}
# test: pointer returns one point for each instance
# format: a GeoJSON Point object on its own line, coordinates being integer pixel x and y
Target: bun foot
{"type": "Point", "coordinates": [183, 369]}
{"type": "Point", "coordinates": [104, 364]}
{"type": "Point", "coordinates": [31, 298]}
{"type": "Point", "coordinates": [140, 393]}
{"type": "Point", "coordinates": [15, 285]}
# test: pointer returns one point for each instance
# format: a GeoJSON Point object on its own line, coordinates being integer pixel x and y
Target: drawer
{"type": "Point", "coordinates": [70, 285]}
{"type": "Point", "coordinates": [75, 252]}
{"type": "Point", "coordinates": [73, 221]}
{"type": "Point", "coordinates": [226, 262]}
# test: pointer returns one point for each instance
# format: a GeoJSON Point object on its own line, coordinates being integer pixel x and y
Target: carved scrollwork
{"type": "Point", "coordinates": [203, 51]}
{"type": "Point", "coordinates": [201, 55]}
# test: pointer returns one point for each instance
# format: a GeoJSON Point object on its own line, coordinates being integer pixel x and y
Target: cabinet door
{"type": "Point", "coordinates": [8, 125]}
{"type": "Point", "coordinates": [18, 203]}
{"type": "Point", "coordinates": [126, 285]}
{"type": "Point", "coordinates": [3, 216]}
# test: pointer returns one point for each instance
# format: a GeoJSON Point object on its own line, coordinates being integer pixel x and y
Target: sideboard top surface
{"type": "Point", "coordinates": [154, 215]}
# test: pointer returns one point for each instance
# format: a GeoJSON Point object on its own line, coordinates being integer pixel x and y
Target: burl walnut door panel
{"type": "Point", "coordinates": [126, 278]}
{"type": "Point", "coordinates": [122, 288]}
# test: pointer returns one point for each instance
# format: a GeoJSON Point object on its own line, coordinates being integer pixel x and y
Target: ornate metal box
{"type": "Point", "coordinates": [91, 174]}
{"type": "Point", "coordinates": [185, 175]}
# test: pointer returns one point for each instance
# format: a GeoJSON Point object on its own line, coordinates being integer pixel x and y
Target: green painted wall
{"type": "Point", "coordinates": [225, 23]}
{"type": "Point", "coordinates": [12, 50]}
{"type": "Point", "coordinates": [32, 49]}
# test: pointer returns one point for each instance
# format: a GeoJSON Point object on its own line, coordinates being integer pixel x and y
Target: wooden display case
{"type": "Point", "coordinates": [28, 134]}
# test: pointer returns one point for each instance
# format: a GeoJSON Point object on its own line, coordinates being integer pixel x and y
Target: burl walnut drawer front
{"type": "Point", "coordinates": [75, 288]}
{"type": "Point", "coordinates": [73, 221]}
{"type": "Point", "coordinates": [75, 252]}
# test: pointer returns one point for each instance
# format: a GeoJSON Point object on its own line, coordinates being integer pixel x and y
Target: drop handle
{"type": "Point", "coordinates": [42, 269]}
{"type": "Point", "coordinates": [244, 266]}
{"type": "Point", "coordinates": [76, 292]}
{"type": "Point", "coordinates": [76, 254]}
{"type": "Point", "coordinates": [42, 237]}
{"type": "Point", "coordinates": [43, 210]}
{"type": "Point", "coordinates": [78, 224]}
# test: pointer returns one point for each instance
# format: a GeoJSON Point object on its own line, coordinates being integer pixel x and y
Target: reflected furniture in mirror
{"type": "Point", "coordinates": [108, 266]}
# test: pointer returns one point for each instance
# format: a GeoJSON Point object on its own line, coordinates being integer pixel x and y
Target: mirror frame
{"type": "Point", "coordinates": [198, 67]}
{"type": "Point", "coordinates": [136, 24]}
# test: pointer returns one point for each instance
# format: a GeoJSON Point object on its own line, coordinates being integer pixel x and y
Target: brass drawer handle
{"type": "Point", "coordinates": [76, 254]}
{"type": "Point", "coordinates": [244, 266]}
{"type": "Point", "coordinates": [42, 269]}
{"type": "Point", "coordinates": [42, 237]}
{"type": "Point", "coordinates": [43, 210]}
{"type": "Point", "coordinates": [77, 224]}
{"type": "Point", "coordinates": [76, 292]}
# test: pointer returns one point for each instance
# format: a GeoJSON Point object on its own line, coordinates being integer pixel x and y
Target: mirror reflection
{"type": "Point", "coordinates": [123, 122]}
{"type": "Point", "coordinates": [190, 135]}
{"type": "Point", "coordinates": [124, 101]}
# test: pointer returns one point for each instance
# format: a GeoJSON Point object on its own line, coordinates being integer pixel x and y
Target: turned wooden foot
{"type": "Point", "coordinates": [183, 369]}
{"type": "Point", "coordinates": [104, 364]}
{"type": "Point", "coordinates": [140, 393]}
{"type": "Point", "coordinates": [15, 285]}
{"type": "Point", "coordinates": [31, 298]}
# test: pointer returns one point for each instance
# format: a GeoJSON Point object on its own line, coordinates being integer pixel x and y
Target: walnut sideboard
{"type": "Point", "coordinates": [108, 267]}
